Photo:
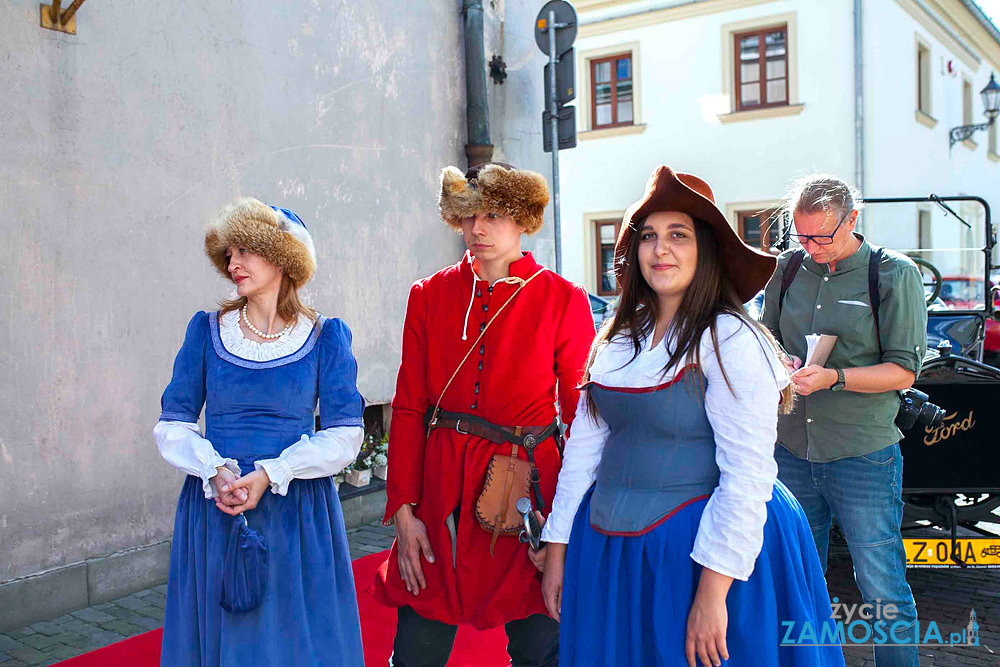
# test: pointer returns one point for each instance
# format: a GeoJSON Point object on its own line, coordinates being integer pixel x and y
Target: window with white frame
{"type": "Point", "coordinates": [966, 102]}
{"type": "Point", "coordinates": [924, 229]}
{"type": "Point", "coordinates": [760, 68]}
{"type": "Point", "coordinates": [758, 229]}
{"type": "Point", "coordinates": [610, 90]}
{"type": "Point", "coordinates": [923, 78]}
{"type": "Point", "coordinates": [606, 234]}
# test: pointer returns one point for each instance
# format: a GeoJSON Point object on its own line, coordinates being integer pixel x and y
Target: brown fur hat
{"type": "Point", "coordinates": [495, 188]}
{"type": "Point", "coordinates": [277, 235]}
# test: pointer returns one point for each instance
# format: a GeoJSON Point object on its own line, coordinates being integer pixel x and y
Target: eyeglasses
{"type": "Point", "coordinates": [821, 239]}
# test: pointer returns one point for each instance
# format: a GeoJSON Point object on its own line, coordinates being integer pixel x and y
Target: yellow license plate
{"type": "Point", "coordinates": [936, 552]}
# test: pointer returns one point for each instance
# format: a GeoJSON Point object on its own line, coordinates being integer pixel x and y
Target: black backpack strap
{"type": "Point", "coordinates": [874, 298]}
{"type": "Point", "coordinates": [788, 275]}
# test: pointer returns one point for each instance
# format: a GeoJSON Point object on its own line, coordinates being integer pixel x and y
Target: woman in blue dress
{"type": "Point", "coordinates": [259, 366]}
{"type": "Point", "coordinates": [683, 548]}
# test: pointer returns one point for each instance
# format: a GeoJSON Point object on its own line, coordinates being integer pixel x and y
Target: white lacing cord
{"type": "Point", "coordinates": [512, 280]}
{"type": "Point", "coordinates": [472, 297]}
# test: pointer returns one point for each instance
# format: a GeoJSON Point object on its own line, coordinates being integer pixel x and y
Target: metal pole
{"type": "Point", "coordinates": [859, 99]}
{"type": "Point", "coordinates": [554, 120]}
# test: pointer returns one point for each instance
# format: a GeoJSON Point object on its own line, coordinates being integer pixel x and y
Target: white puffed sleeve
{"type": "Point", "coordinates": [579, 469]}
{"type": "Point", "coordinates": [321, 455]}
{"type": "Point", "coordinates": [182, 446]}
{"type": "Point", "coordinates": [731, 531]}
{"type": "Point", "coordinates": [339, 441]}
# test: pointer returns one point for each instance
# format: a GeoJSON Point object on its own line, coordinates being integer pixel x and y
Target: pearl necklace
{"type": "Point", "coordinates": [258, 332]}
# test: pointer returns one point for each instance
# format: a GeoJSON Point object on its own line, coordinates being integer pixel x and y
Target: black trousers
{"type": "Point", "coordinates": [420, 642]}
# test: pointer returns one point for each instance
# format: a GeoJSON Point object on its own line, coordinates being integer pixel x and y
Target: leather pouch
{"type": "Point", "coordinates": [508, 478]}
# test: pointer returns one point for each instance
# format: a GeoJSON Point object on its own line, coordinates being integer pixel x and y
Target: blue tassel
{"type": "Point", "coordinates": [244, 573]}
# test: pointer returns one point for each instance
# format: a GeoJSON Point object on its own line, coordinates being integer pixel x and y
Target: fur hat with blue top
{"type": "Point", "coordinates": [275, 234]}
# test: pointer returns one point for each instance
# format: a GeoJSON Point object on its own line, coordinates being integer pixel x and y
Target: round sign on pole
{"type": "Point", "coordinates": [565, 14]}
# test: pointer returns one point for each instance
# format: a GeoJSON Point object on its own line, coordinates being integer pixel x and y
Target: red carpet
{"type": "Point", "coordinates": [378, 626]}
{"type": "Point", "coordinates": [139, 651]}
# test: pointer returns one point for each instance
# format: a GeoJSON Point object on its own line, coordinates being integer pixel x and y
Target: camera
{"type": "Point", "coordinates": [914, 408]}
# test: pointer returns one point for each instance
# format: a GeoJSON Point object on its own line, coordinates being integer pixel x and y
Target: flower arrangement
{"type": "Point", "coordinates": [373, 458]}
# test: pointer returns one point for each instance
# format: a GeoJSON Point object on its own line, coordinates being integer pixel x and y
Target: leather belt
{"type": "Point", "coordinates": [524, 436]}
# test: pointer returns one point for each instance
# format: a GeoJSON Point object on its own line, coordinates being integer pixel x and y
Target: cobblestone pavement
{"type": "Point", "coordinates": [49, 642]}
{"type": "Point", "coordinates": [945, 596]}
{"type": "Point", "coordinates": [80, 631]}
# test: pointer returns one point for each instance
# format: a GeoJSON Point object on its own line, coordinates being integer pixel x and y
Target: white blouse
{"type": "Point", "coordinates": [325, 453]}
{"type": "Point", "coordinates": [744, 421]}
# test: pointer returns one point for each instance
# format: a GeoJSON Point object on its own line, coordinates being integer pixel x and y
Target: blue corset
{"type": "Point", "coordinates": [660, 454]}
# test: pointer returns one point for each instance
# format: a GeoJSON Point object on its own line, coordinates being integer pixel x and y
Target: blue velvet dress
{"type": "Point", "coordinates": [253, 411]}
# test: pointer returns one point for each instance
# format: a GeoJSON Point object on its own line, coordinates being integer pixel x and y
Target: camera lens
{"type": "Point", "coordinates": [930, 415]}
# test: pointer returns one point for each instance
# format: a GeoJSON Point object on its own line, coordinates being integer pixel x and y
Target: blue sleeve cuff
{"type": "Point", "coordinates": [342, 421]}
{"type": "Point", "coordinates": [178, 417]}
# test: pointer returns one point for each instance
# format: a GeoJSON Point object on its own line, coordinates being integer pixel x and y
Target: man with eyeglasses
{"type": "Point", "coordinates": [838, 451]}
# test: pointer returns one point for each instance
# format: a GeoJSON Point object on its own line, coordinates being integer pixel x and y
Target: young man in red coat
{"type": "Point", "coordinates": [445, 568]}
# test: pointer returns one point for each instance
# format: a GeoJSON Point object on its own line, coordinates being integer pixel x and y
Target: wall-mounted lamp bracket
{"type": "Point", "coordinates": [53, 18]}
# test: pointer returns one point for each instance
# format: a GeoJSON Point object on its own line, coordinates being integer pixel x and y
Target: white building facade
{"type": "Point", "coordinates": [750, 94]}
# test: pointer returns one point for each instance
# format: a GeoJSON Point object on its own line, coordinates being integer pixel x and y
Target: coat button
{"type": "Point", "coordinates": [477, 387]}
{"type": "Point", "coordinates": [818, 306]}
{"type": "Point", "coordinates": [479, 292]}
{"type": "Point", "coordinates": [480, 365]}
{"type": "Point", "coordinates": [482, 349]}
{"type": "Point", "coordinates": [485, 307]}
{"type": "Point", "coordinates": [473, 406]}
{"type": "Point", "coordinates": [482, 326]}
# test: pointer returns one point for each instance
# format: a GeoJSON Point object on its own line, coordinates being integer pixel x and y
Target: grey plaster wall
{"type": "Point", "coordinates": [118, 144]}
{"type": "Point", "coordinates": [516, 105]}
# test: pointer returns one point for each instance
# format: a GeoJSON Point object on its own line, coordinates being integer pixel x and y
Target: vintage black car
{"type": "Point", "coordinates": [951, 471]}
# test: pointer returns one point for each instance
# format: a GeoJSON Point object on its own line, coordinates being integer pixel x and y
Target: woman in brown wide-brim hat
{"type": "Point", "coordinates": [684, 547]}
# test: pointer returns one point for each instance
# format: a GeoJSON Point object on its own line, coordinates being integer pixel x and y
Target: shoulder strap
{"type": "Point", "coordinates": [788, 275]}
{"type": "Point", "coordinates": [874, 297]}
{"type": "Point", "coordinates": [437, 406]}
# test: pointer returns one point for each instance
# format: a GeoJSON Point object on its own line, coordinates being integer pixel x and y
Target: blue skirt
{"type": "Point", "coordinates": [309, 615]}
{"type": "Point", "coordinates": [626, 599]}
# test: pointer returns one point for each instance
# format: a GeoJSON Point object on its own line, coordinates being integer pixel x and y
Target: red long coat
{"type": "Point", "coordinates": [535, 350]}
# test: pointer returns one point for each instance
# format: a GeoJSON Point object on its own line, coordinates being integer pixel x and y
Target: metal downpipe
{"type": "Point", "coordinates": [859, 101]}
{"type": "Point", "coordinates": [478, 149]}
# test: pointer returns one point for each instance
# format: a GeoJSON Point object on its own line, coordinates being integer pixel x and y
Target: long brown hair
{"type": "Point", "coordinates": [710, 294]}
{"type": "Point", "coordinates": [290, 306]}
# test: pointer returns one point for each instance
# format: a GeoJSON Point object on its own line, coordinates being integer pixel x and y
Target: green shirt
{"type": "Point", "coordinates": [830, 425]}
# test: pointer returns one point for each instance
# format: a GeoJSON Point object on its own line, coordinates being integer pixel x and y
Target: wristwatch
{"type": "Point", "coordinates": [841, 381]}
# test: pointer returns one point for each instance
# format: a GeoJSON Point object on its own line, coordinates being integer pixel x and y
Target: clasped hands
{"type": "Point", "coordinates": [237, 494]}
